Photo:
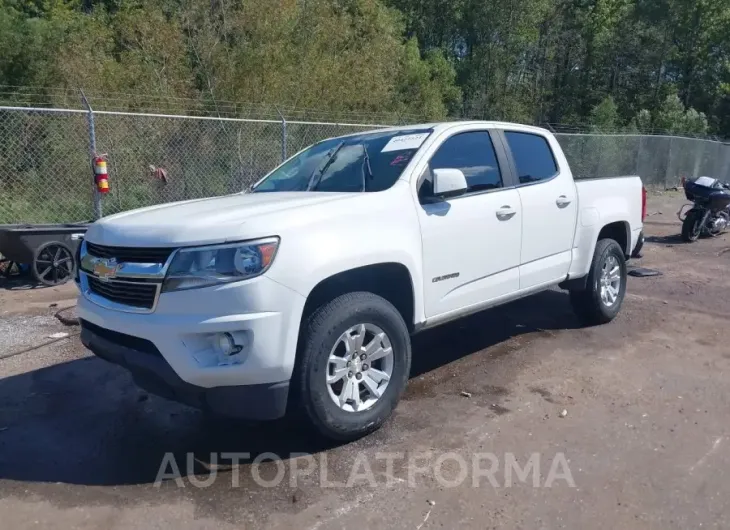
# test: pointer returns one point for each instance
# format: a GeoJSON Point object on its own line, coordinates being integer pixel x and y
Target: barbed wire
{"type": "Point", "coordinates": [150, 103]}
{"type": "Point", "coordinates": [588, 128]}
{"type": "Point", "coordinates": [68, 97]}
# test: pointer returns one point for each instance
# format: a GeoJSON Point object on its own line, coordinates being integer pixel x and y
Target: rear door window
{"type": "Point", "coordinates": [532, 155]}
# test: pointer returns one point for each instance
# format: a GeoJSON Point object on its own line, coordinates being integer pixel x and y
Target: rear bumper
{"type": "Point", "coordinates": [153, 373]}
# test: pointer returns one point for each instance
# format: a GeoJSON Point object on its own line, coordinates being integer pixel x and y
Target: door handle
{"type": "Point", "coordinates": [505, 213]}
{"type": "Point", "coordinates": [562, 201]}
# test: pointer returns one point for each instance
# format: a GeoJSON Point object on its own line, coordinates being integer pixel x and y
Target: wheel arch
{"type": "Point", "coordinates": [619, 231]}
{"type": "Point", "coordinates": [587, 238]}
{"type": "Point", "coordinates": [390, 280]}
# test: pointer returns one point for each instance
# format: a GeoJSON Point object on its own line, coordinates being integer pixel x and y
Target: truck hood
{"type": "Point", "coordinates": [200, 221]}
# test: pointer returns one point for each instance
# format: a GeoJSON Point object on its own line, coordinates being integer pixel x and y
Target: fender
{"type": "Point", "coordinates": [370, 229]}
{"type": "Point", "coordinates": [599, 209]}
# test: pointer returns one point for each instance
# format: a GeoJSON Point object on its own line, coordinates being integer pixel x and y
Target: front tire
{"type": "Point", "coordinates": [600, 301]}
{"type": "Point", "coordinates": [353, 365]}
{"type": "Point", "coordinates": [692, 226]}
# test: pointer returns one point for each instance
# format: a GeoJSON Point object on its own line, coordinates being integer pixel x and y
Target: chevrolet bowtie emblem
{"type": "Point", "coordinates": [105, 269]}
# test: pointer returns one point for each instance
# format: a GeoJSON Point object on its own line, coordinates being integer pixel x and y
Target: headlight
{"type": "Point", "coordinates": [205, 266]}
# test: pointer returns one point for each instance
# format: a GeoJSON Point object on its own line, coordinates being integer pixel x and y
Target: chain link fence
{"type": "Point", "coordinates": [45, 168]}
{"type": "Point", "coordinates": [45, 172]}
{"type": "Point", "coordinates": [660, 160]}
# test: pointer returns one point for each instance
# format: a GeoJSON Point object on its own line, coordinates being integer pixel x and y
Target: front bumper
{"type": "Point", "coordinates": [151, 372]}
{"type": "Point", "coordinates": [261, 314]}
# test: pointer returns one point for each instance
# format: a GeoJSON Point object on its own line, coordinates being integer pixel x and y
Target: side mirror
{"type": "Point", "coordinates": [448, 182]}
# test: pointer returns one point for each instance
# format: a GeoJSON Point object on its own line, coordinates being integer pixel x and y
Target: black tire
{"type": "Point", "coordinates": [587, 302]}
{"type": "Point", "coordinates": [691, 226]}
{"type": "Point", "coordinates": [53, 263]}
{"type": "Point", "coordinates": [320, 334]}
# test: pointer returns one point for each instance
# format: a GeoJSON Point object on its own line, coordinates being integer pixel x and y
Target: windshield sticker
{"type": "Point", "coordinates": [400, 160]}
{"type": "Point", "coordinates": [407, 141]}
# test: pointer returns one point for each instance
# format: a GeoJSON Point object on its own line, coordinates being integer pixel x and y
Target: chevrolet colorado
{"type": "Point", "coordinates": [300, 294]}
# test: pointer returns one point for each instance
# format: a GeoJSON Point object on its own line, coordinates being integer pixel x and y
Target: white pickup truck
{"type": "Point", "coordinates": [300, 295]}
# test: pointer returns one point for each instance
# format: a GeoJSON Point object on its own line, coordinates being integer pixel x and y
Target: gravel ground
{"type": "Point", "coordinates": [639, 410]}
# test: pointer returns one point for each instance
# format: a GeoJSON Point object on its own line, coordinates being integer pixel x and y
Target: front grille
{"type": "Point", "coordinates": [136, 294]}
{"type": "Point", "coordinates": [130, 254]}
{"type": "Point", "coordinates": [129, 341]}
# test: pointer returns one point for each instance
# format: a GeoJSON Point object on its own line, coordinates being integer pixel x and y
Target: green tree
{"type": "Point", "coordinates": [427, 86]}
{"type": "Point", "coordinates": [673, 118]}
{"type": "Point", "coordinates": [604, 116]}
{"type": "Point", "coordinates": [534, 61]}
{"type": "Point", "coordinates": [641, 123]}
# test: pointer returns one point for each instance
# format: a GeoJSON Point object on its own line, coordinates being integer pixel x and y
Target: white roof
{"type": "Point", "coordinates": [440, 126]}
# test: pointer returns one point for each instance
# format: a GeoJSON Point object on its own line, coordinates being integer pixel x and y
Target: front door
{"type": "Point", "coordinates": [471, 243]}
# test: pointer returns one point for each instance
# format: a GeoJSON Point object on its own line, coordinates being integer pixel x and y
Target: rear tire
{"type": "Point", "coordinates": [692, 227]}
{"type": "Point", "coordinates": [600, 301]}
{"type": "Point", "coordinates": [340, 332]}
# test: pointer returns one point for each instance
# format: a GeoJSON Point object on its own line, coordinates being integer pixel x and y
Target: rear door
{"type": "Point", "coordinates": [549, 206]}
{"type": "Point", "coordinates": [471, 243]}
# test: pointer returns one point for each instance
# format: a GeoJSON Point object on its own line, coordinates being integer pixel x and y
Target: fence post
{"type": "Point", "coordinates": [669, 164]}
{"type": "Point", "coordinates": [699, 156]}
{"type": "Point", "coordinates": [283, 134]}
{"type": "Point", "coordinates": [283, 139]}
{"type": "Point", "coordinates": [639, 151]}
{"type": "Point", "coordinates": [92, 152]}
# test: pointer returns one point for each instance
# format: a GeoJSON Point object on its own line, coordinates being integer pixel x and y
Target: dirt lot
{"type": "Point", "coordinates": [645, 439]}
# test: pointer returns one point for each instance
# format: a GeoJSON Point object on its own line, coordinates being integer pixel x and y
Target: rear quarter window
{"type": "Point", "coordinates": [532, 155]}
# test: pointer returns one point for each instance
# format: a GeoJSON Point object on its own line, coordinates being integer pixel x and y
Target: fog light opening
{"type": "Point", "coordinates": [227, 344]}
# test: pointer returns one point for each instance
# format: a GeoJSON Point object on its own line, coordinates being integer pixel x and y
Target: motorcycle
{"type": "Point", "coordinates": [710, 209]}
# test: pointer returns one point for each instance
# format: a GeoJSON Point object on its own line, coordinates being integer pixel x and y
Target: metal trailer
{"type": "Point", "coordinates": [50, 250]}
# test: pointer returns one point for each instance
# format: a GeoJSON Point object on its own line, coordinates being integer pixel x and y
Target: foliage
{"type": "Point", "coordinates": [556, 61]}
{"type": "Point", "coordinates": [641, 123]}
{"type": "Point", "coordinates": [672, 117]}
{"type": "Point", "coordinates": [607, 63]}
{"type": "Point", "coordinates": [604, 116]}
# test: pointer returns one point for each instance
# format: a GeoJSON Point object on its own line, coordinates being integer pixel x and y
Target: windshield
{"type": "Point", "coordinates": [364, 162]}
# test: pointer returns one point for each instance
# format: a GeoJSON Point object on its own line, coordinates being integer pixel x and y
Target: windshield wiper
{"type": "Point", "coordinates": [316, 175]}
{"type": "Point", "coordinates": [366, 166]}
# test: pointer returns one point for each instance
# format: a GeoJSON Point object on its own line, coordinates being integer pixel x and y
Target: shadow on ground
{"type": "Point", "coordinates": [671, 239]}
{"type": "Point", "coordinates": [19, 282]}
{"type": "Point", "coordinates": [84, 422]}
